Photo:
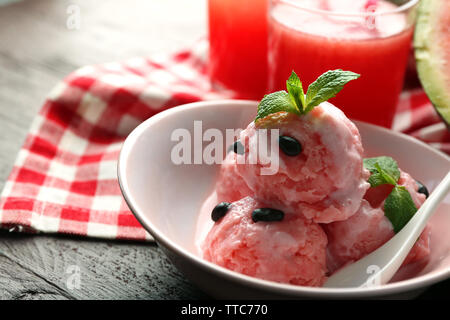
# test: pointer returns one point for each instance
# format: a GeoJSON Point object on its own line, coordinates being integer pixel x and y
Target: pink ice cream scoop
{"type": "Point", "coordinates": [292, 250]}
{"type": "Point", "coordinates": [230, 186]}
{"type": "Point", "coordinates": [326, 181]}
{"type": "Point", "coordinates": [369, 228]}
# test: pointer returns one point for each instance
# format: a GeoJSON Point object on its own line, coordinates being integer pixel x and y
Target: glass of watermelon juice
{"type": "Point", "coordinates": [369, 37]}
{"type": "Point", "coordinates": [238, 46]}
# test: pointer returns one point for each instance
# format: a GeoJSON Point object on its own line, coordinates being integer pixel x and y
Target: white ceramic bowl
{"type": "Point", "coordinates": [166, 199]}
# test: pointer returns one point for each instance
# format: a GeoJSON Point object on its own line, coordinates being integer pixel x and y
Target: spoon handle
{"type": "Point", "coordinates": [380, 266]}
{"type": "Point", "coordinates": [403, 242]}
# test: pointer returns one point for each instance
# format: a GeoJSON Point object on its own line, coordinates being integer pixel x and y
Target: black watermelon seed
{"type": "Point", "coordinates": [267, 214]}
{"type": "Point", "coordinates": [220, 210]}
{"type": "Point", "coordinates": [422, 189]}
{"type": "Point", "coordinates": [237, 147]}
{"type": "Point", "coordinates": [290, 146]}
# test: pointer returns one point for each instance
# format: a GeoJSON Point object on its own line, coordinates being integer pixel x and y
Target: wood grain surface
{"type": "Point", "coordinates": [37, 49]}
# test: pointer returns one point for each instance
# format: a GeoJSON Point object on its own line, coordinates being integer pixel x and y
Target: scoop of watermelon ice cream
{"type": "Point", "coordinates": [326, 181]}
{"type": "Point", "coordinates": [289, 251]}
{"type": "Point", "coordinates": [369, 228]}
{"type": "Point", "coordinates": [230, 186]}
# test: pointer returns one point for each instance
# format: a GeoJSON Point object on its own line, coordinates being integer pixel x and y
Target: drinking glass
{"type": "Point", "coordinates": [369, 37]}
{"type": "Point", "coordinates": [238, 46]}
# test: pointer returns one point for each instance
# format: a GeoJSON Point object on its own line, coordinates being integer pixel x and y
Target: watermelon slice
{"type": "Point", "coordinates": [432, 52]}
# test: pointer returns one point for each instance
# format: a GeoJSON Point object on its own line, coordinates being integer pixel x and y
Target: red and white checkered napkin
{"type": "Point", "coordinates": [416, 116]}
{"type": "Point", "coordinates": [64, 178]}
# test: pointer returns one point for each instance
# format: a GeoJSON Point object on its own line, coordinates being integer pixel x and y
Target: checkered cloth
{"type": "Point", "coordinates": [64, 179]}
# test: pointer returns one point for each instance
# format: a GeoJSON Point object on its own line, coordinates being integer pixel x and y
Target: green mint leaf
{"type": "Point", "coordinates": [384, 170]}
{"type": "Point", "coordinates": [327, 86]}
{"type": "Point", "coordinates": [386, 175]}
{"type": "Point", "coordinates": [295, 90]}
{"type": "Point", "coordinates": [399, 207]}
{"type": "Point", "coordinates": [295, 101]}
{"type": "Point", "coordinates": [376, 179]}
{"type": "Point", "coordinates": [275, 102]}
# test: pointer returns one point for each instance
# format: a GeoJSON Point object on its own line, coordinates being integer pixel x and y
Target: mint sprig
{"type": "Point", "coordinates": [295, 101]}
{"type": "Point", "coordinates": [384, 170]}
{"type": "Point", "coordinates": [276, 102]}
{"type": "Point", "coordinates": [295, 89]}
{"type": "Point", "coordinates": [399, 207]}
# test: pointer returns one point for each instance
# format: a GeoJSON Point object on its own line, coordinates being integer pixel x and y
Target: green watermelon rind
{"type": "Point", "coordinates": [428, 57]}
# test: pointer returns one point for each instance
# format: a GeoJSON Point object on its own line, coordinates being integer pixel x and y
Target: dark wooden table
{"type": "Point", "coordinates": [37, 49]}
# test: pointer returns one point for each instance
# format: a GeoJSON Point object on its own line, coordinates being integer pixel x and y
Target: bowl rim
{"type": "Point", "coordinates": [266, 285]}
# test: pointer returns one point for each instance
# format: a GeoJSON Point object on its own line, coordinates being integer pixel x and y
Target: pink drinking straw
{"type": "Point", "coordinates": [323, 5]}
{"type": "Point", "coordinates": [370, 6]}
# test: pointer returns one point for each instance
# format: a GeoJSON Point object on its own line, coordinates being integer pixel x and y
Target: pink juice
{"type": "Point", "coordinates": [238, 46]}
{"type": "Point", "coordinates": [311, 42]}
